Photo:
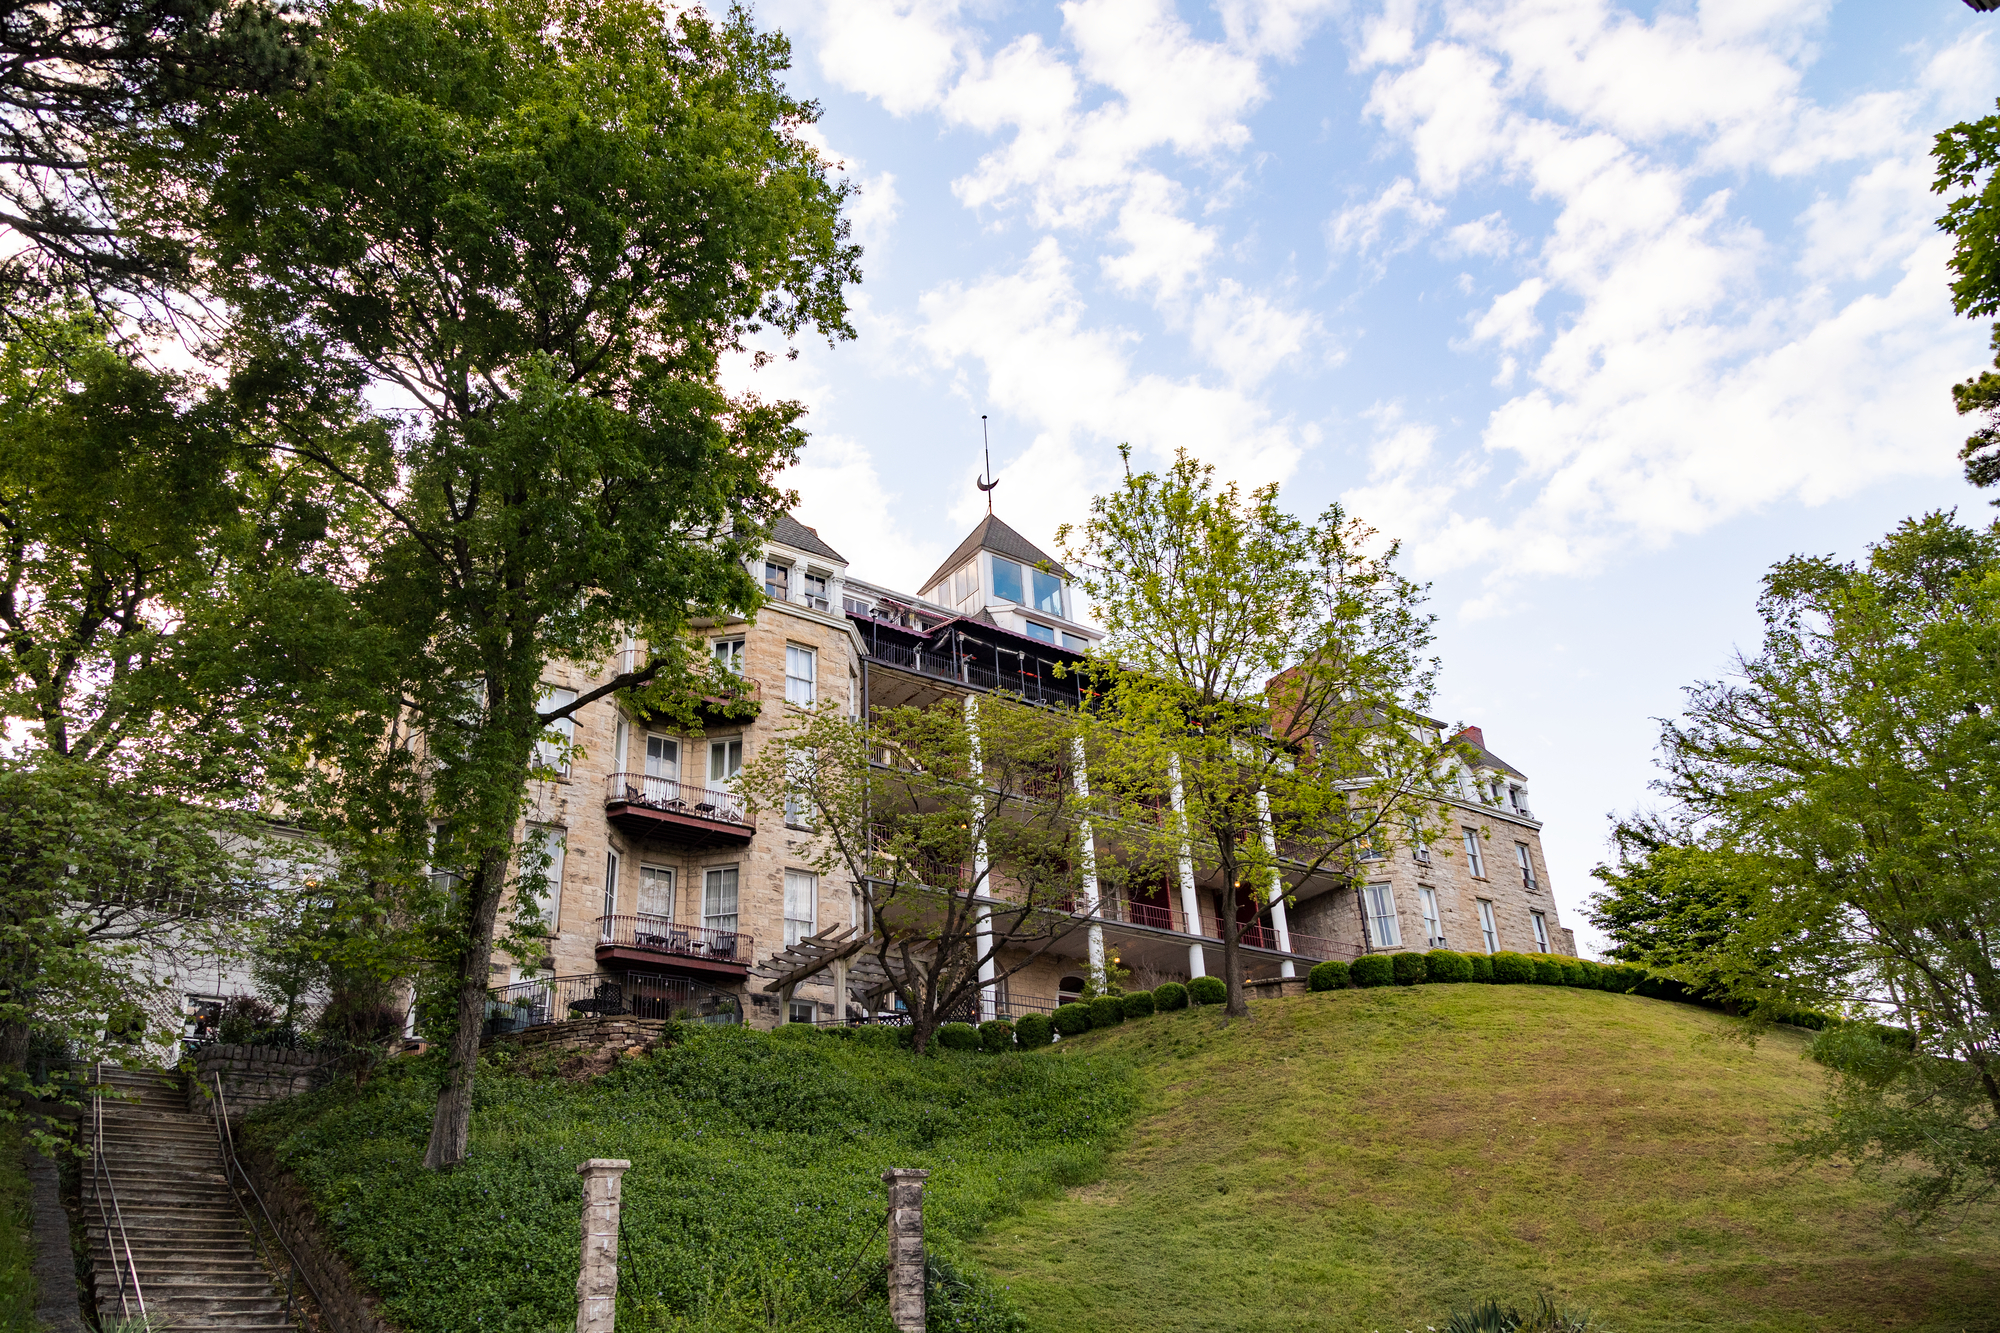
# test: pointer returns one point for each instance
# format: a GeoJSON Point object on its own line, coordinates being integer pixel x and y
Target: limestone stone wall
{"type": "Point", "coordinates": [345, 1305]}
{"type": "Point", "coordinates": [254, 1076]}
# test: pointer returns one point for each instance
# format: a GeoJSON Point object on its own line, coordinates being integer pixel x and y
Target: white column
{"type": "Point", "coordinates": [1190, 904]}
{"type": "Point", "coordinates": [1090, 898]}
{"type": "Point", "coordinates": [982, 916]}
{"type": "Point", "coordinates": [1277, 898]}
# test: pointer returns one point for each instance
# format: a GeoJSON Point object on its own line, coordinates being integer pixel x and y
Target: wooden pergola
{"type": "Point", "coordinates": [837, 948]}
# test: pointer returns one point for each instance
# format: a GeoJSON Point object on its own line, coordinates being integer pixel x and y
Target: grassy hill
{"type": "Point", "coordinates": [1367, 1160]}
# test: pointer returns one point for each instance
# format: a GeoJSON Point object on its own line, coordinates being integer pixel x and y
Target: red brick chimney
{"type": "Point", "coordinates": [1473, 734]}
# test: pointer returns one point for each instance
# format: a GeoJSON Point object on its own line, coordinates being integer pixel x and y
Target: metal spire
{"type": "Point", "coordinates": [987, 480]}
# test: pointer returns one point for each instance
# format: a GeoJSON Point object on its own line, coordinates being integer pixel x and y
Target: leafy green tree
{"type": "Point", "coordinates": [1966, 155]}
{"type": "Point", "coordinates": [1260, 674]}
{"type": "Point", "coordinates": [1675, 904]}
{"type": "Point", "coordinates": [539, 225]}
{"type": "Point", "coordinates": [959, 827]}
{"type": "Point", "coordinates": [1857, 758]}
{"type": "Point", "coordinates": [81, 81]}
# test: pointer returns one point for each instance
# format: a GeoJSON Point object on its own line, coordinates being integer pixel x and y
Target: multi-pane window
{"type": "Point", "coordinates": [1075, 643]}
{"type": "Point", "coordinates": [777, 581]}
{"type": "Point", "coordinates": [663, 758]}
{"type": "Point", "coordinates": [801, 905]}
{"type": "Point", "coordinates": [547, 845]}
{"type": "Point", "coordinates": [1433, 928]}
{"type": "Point", "coordinates": [610, 891]}
{"type": "Point", "coordinates": [1383, 928]}
{"type": "Point", "coordinates": [1486, 930]}
{"type": "Point", "coordinates": [1527, 865]}
{"type": "Point", "coordinates": [1048, 591]}
{"type": "Point", "coordinates": [1473, 860]}
{"type": "Point", "coordinates": [728, 654]}
{"type": "Point", "coordinates": [965, 585]}
{"type": "Point", "coordinates": [801, 675]}
{"type": "Point", "coordinates": [815, 591]}
{"type": "Point", "coordinates": [1046, 633]}
{"type": "Point", "coordinates": [443, 878]}
{"type": "Point", "coordinates": [718, 898]}
{"type": "Point", "coordinates": [1419, 849]}
{"type": "Point", "coordinates": [656, 893]}
{"type": "Point", "coordinates": [1008, 583]}
{"type": "Point", "coordinates": [1027, 587]}
{"type": "Point", "coordinates": [802, 1011]}
{"type": "Point", "coordinates": [1541, 932]}
{"type": "Point", "coordinates": [798, 795]}
{"type": "Point", "coordinates": [725, 759]}
{"type": "Point", "coordinates": [550, 752]}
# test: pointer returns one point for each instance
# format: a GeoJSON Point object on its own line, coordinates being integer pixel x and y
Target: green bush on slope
{"type": "Point", "coordinates": [755, 1192]}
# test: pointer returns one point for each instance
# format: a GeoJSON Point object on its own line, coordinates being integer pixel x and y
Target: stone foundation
{"type": "Point", "coordinates": [254, 1076]}
{"type": "Point", "coordinates": [587, 1034]}
{"type": "Point", "coordinates": [1271, 988]}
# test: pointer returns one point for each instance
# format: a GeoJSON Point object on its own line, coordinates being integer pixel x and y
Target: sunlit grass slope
{"type": "Point", "coordinates": [1368, 1160]}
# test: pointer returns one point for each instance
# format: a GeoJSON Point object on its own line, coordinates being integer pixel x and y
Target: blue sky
{"type": "Point", "coordinates": [1598, 308]}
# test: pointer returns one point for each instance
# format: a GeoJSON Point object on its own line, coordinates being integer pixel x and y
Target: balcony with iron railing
{"type": "Point", "coordinates": [530, 1004]}
{"type": "Point", "coordinates": [658, 940]}
{"type": "Point", "coordinates": [648, 806]}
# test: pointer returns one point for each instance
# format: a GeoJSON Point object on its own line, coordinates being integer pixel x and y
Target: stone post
{"type": "Point", "coordinates": [906, 1248]}
{"type": "Point", "coordinates": [597, 1282]}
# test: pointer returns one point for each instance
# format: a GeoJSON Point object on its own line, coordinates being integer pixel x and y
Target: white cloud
{"type": "Point", "coordinates": [843, 497]}
{"type": "Point", "coordinates": [900, 52]}
{"type": "Point", "coordinates": [1361, 228]}
{"type": "Point", "coordinates": [1510, 320]}
{"type": "Point", "coordinates": [1489, 236]}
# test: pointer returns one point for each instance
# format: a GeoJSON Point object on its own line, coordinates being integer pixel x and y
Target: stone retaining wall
{"type": "Point", "coordinates": [1271, 988]}
{"type": "Point", "coordinates": [587, 1034]}
{"type": "Point", "coordinates": [254, 1076]}
{"type": "Point", "coordinates": [344, 1305]}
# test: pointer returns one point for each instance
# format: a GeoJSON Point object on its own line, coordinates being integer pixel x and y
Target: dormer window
{"type": "Point", "coordinates": [1026, 586]}
{"type": "Point", "coordinates": [777, 581]}
{"type": "Point", "coordinates": [1046, 633]}
{"type": "Point", "coordinates": [815, 591]}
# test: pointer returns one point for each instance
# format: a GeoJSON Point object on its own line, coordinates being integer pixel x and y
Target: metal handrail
{"type": "Point", "coordinates": [99, 1168]}
{"type": "Point", "coordinates": [232, 1169]}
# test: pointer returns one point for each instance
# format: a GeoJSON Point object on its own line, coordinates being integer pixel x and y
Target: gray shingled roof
{"type": "Point", "coordinates": [993, 535]}
{"type": "Point", "coordinates": [802, 538]}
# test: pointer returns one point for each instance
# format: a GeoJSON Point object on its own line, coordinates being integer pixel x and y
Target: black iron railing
{"type": "Point", "coordinates": [527, 1004]}
{"type": "Point", "coordinates": [657, 934]}
{"type": "Point", "coordinates": [239, 1183]}
{"type": "Point", "coordinates": [674, 797]}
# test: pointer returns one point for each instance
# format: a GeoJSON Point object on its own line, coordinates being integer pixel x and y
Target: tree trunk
{"type": "Point", "coordinates": [1232, 936]}
{"type": "Point", "coordinates": [451, 1127]}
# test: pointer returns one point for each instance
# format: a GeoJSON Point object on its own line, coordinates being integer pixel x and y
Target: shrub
{"type": "Point", "coordinates": [996, 1034]}
{"type": "Point", "coordinates": [1032, 1030]}
{"type": "Point", "coordinates": [1592, 973]}
{"type": "Point", "coordinates": [1572, 970]}
{"type": "Point", "coordinates": [1139, 1004]}
{"type": "Point", "coordinates": [1513, 969]}
{"type": "Point", "coordinates": [1107, 1010]}
{"type": "Point", "coordinates": [1409, 968]}
{"type": "Point", "coordinates": [1172, 995]}
{"type": "Point", "coordinates": [1330, 975]}
{"type": "Point", "coordinates": [1548, 972]}
{"type": "Point", "coordinates": [1073, 1019]}
{"type": "Point", "coordinates": [1481, 965]}
{"type": "Point", "coordinates": [958, 1036]}
{"type": "Point", "coordinates": [1373, 969]}
{"type": "Point", "coordinates": [1445, 965]}
{"type": "Point", "coordinates": [1208, 990]}
{"type": "Point", "coordinates": [883, 1037]}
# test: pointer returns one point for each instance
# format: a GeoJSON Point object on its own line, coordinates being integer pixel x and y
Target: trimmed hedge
{"type": "Point", "coordinates": [1107, 1011]}
{"type": "Point", "coordinates": [958, 1036]}
{"type": "Point", "coordinates": [1513, 969]}
{"type": "Point", "coordinates": [1170, 996]}
{"type": "Point", "coordinates": [996, 1034]}
{"type": "Point", "coordinates": [1372, 969]}
{"type": "Point", "coordinates": [1139, 1004]}
{"type": "Point", "coordinates": [1032, 1030]}
{"type": "Point", "coordinates": [884, 1037]}
{"type": "Point", "coordinates": [1548, 972]}
{"type": "Point", "coordinates": [1481, 965]}
{"type": "Point", "coordinates": [1208, 990]}
{"type": "Point", "coordinates": [1330, 975]}
{"type": "Point", "coordinates": [1445, 965]}
{"type": "Point", "coordinates": [1073, 1019]}
{"type": "Point", "coordinates": [1409, 968]}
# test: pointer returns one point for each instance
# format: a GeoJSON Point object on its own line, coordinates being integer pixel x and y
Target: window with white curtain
{"type": "Point", "coordinates": [725, 760]}
{"type": "Point", "coordinates": [1433, 928]}
{"type": "Point", "coordinates": [718, 898]}
{"type": "Point", "coordinates": [663, 757]}
{"type": "Point", "coordinates": [1383, 928]}
{"type": "Point", "coordinates": [801, 905]}
{"type": "Point", "coordinates": [610, 892]}
{"type": "Point", "coordinates": [1541, 931]}
{"type": "Point", "coordinates": [1486, 929]}
{"type": "Point", "coordinates": [801, 675]}
{"type": "Point", "coordinates": [546, 896]}
{"type": "Point", "coordinates": [656, 894]}
{"type": "Point", "coordinates": [1474, 862]}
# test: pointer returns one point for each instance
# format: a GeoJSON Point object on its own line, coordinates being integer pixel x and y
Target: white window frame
{"type": "Point", "coordinates": [802, 1011]}
{"type": "Point", "coordinates": [1047, 633]}
{"type": "Point", "coordinates": [1541, 931]}
{"type": "Point", "coordinates": [801, 690]}
{"type": "Point", "coordinates": [715, 880]}
{"type": "Point", "coordinates": [730, 750]}
{"type": "Point", "coordinates": [556, 839]}
{"type": "Point", "coordinates": [728, 654]}
{"type": "Point", "coordinates": [548, 753]}
{"type": "Point", "coordinates": [652, 875]}
{"type": "Point", "coordinates": [664, 765]}
{"type": "Point", "coordinates": [780, 573]}
{"type": "Point", "coordinates": [801, 905]}
{"type": "Point", "coordinates": [1488, 931]}
{"type": "Point", "coordinates": [1427, 899]}
{"type": "Point", "coordinates": [610, 893]}
{"type": "Point", "coordinates": [1385, 927]}
{"type": "Point", "coordinates": [814, 589]}
{"type": "Point", "coordinates": [1475, 861]}
{"type": "Point", "coordinates": [1528, 880]}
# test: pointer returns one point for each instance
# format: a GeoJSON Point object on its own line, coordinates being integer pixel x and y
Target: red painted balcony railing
{"type": "Point", "coordinates": [656, 934]}
{"type": "Point", "coordinates": [674, 797]}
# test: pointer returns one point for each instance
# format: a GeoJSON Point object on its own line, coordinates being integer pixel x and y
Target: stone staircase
{"type": "Point", "coordinates": [197, 1263]}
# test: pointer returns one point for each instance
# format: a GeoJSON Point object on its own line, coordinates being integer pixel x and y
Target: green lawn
{"type": "Point", "coordinates": [1367, 1160]}
{"type": "Point", "coordinates": [17, 1242]}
